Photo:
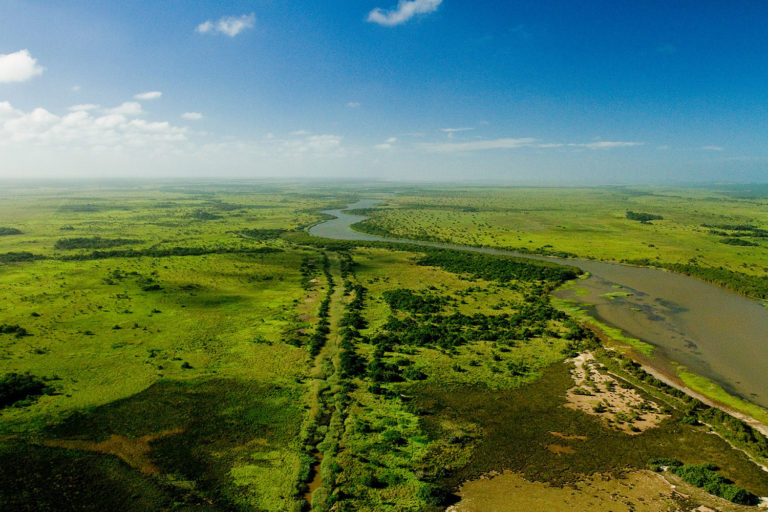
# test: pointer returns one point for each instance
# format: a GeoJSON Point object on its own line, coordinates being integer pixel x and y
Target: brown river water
{"type": "Point", "coordinates": [711, 331]}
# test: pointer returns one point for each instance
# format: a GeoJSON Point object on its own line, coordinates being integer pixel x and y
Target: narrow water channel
{"type": "Point", "coordinates": [711, 331]}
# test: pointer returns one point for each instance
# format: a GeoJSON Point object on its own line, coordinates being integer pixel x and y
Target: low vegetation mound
{"type": "Point", "coordinates": [260, 234]}
{"type": "Point", "coordinates": [9, 231]}
{"type": "Point", "coordinates": [738, 241]}
{"type": "Point", "coordinates": [707, 477]}
{"type": "Point", "coordinates": [21, 389]}
{"type": "Point", "coordinates": [20, 256]}
{"type": "Point", "coordinates": [94, 242]}
{"type": "Point", "coordinates": [643, 217]}
{"type": "Point", "coordinates": [413, 302]}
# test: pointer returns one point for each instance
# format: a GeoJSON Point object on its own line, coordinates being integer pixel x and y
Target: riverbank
{"type": "Point", "coordinates": [680, 319]}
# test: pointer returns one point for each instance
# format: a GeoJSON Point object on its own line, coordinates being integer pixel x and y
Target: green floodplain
{"type": "Point", "coordinates": [191, 346]}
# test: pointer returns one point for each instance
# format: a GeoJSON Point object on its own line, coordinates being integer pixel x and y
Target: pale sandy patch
{"type": "Point", "coordinates": [621, 408]}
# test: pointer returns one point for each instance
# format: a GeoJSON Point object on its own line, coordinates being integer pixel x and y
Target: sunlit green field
{"type": "Point", "coordinates": [201, 352]}
{"type": "Point", "coordinates": [589, 222]}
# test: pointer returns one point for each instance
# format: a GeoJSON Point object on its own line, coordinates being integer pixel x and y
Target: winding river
{"type": "Point", "coordinates": [711, 331]}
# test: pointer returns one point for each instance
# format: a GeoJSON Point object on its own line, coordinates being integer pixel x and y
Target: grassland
{"type": "Point", "coordinates": [692, 235]}
{"type": "Point", "coordinates": [204, 354]}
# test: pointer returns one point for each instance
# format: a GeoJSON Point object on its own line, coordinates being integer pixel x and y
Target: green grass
{"type": "Point", "coordinates": [711, 390]}
{"type": "Point", "coordinates": [588, 222]}
{"type": "Point", "coordinates": [185, 381]}
{"type": "Point", "coordinates": [617, 335]}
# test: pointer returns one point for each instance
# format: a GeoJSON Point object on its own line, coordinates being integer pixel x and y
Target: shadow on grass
{"type": "Point", "coordinates": [212, 422]}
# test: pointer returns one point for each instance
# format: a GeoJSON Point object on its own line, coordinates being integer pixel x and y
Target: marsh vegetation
{"type": "Point", "coordinates": [227, 361]}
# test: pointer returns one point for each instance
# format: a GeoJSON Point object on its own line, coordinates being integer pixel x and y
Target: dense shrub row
{"type": "Point", "coordinates": [411, 301]}
{"type": "Point", "coordinates": [448, 331]}
{"type": "Point", "coordinates": [260, 234]}
{"type": "Point", "coordinates": [498, 268]}
{"type": "Point", "coordinates": [18, 257]}
{"type": "Point", "coordinates": [643, 217]}
{"type": "Point", "coordinates": [157, 252]}
{"type": "Point", "coordinates": [94, 242]}
{"type": "Point", "coordinates": [706, 477]}
{"type": "Point", "coordinates": [320, 336]}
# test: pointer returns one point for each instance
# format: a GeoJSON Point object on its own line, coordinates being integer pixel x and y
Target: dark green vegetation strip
{"type": "Point", "coordinates": [260, 234]}
{"type": "Point", "coordinates": [498, 268]}
{"type": "Point", "coordinates": [706, 477]}
{"type": "Point", "coordinates": [166, 252]}
{"type": "Point", "coordinates": [643, 217]}
{"type": "Point", "coordinates": [19, 257]}
{"type": "Point", "coordinates": [94, 242]}
{"type": "Point", "coordinates": [4, 231]}
{"type": "Point", "coordinates": [152, 252]}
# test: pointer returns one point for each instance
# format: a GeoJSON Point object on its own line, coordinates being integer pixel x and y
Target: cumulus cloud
{"type": "Point", "coordinates": [18, 67]}
{"type": "Point", "coordinates": [228, 25]}
{"type": "Point", "coordinates": [128, 108]}
{"type": "Point", "coordinates": [84, 106]}
{"type": "Point", "coordinates": [406, 9]}
{"type": "Point", "coordinates": [192, 116]}
{"type": "Point", "coordinates": [79, 128]}
{"type": "Point", "coordinates": [151, 95]}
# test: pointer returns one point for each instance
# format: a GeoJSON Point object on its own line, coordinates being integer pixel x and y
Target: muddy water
{"type": "Point", "coordinates": [713, 332]}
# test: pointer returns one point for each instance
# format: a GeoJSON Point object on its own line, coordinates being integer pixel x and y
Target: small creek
{"type": "Point", "coordinates": [711, 331]}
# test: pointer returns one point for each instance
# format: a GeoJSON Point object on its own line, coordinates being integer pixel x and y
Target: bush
{"type": "Point", "coordinates": [22, 389]}
{"type": "Point", "coordinates": [705, 476]}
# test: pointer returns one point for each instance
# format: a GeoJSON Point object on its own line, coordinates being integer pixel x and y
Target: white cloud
{"type": "Point", "coordinates": [76, 88]}
{"type": "Point", "coordinates": [515, 143]}
{"type": "Point", "coordinates": [7, 111]}
{"type": "Point", "coordinates": [128, 108]}
{"type": "Point", "coordinates": [18, 67]}
{"type": "Point", "coordinates": [321, 143]}
{"type": "Point", "coordinates": [386, 145]}
{"type": "Point", "coordinates": [192, 116]}
{"type": "Point", "coordinates": [151, 95]}
{"type": "Point", "coordinates": [480, 145]}
{"type": "Point", "coordinates": [406, 9]}
{"type": "Point", "coordinates": [228, 25]}
{"type": "Point", "coordinates": [604, 144]}
{"type": "Point", "coordinates": [84, 106]}
{"type": "Point", "coordinates": [454, 130]}
{"type": "Point", "coordinates": [81, 129]}
{"type": "Point", "coordinates": [712, 148]}
{"type": "Point", "coordinates": [353, 104]}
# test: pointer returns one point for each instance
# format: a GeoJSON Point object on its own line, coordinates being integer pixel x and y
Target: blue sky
{"type": "Point", "coordinates": [530, 92]}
